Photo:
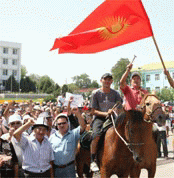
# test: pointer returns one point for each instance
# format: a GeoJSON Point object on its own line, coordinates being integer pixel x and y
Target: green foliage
{"type": "Point", "coordinates": [166, 94]}
{"type": "Point", "coordinates": [82, 81]}
{"type": "Point", "coordinates": [27, 85]}
{"type": "Point", "coordinates": [64, 89]}
{"type": "Point", "coordinates": [118, 70]}
{"type": "Point", "coordinates": [46, 84]}
{"type": "Point", "coordinates": [94, 84]}
{"type": "Point", "coordinates": [12, 84]}
{"type": "Point", "coordinates": [72, 88]}
{"type": "Point", "coordinates": [23, 71]}
{"type": "Point", "coordinates": [50, 98]}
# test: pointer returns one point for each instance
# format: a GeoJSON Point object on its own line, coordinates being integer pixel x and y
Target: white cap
{"type": "Point", "coordinates": [26, 117]}
{"type": "Point", "coordinates": [37, 107]}
{"type": "Point", "coordinates": [41, 121]}
{"type": "Point", "coordinates": [14, 118]}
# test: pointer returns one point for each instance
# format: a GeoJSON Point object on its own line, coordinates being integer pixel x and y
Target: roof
{"type": "Point", "coordinates": [155, 66]}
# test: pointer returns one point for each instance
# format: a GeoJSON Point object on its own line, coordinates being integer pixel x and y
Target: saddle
{"type": "Point", "coordinates": [86, 137]}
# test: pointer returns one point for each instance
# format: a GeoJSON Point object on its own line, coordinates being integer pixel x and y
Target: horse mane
{"type": "Point", "coordinates": [137, 116]}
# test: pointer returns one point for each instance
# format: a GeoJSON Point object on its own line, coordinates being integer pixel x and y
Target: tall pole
{"type": "Point", "coordinates": [158, 52]}
{"type": "Point", "coordinates": [11, 82]}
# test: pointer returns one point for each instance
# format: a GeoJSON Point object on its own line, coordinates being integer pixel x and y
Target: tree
{"type": "Point", "coordinates": [64, 89]}
{"type": "Point", "coordinates": [23, 71]}
{"type": "Point", "coordinates": [35, 78]}
{"type": "Point", "coordinates": [27, 85]}
{"type": "Point", "coordinates": [46, 84]}
{"type": "Point", "coordinates": [12, 84]}
{"type": "Point", "coordinates": [166, 94]}
{"type": "Point", "coordinates": [82, 81]}
{"type": "Point", "coordinates": [118, 70]}
{"type": "Point", "coordinates": [72, 88]}
{"type": "Point", "coordinates": [94, 84]}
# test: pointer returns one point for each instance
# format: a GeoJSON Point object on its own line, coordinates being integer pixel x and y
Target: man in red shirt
{"type": "Point", "coordinates": [132, 94]}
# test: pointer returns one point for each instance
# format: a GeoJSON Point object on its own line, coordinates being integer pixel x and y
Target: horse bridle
{"type": "Point", "coordinates": [129, 145]}
{"type": "Point", "coordinates": [150, 114]}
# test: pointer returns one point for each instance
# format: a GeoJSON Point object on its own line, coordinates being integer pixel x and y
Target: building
{"type": "Point", "coordinates": [10, 61]}
{"type": "Point", "coordinates": [153, 77]}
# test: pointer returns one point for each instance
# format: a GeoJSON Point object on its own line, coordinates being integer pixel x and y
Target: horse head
{"type": "Point", "coordinates": [133, 133]}
{"type": "Point", "coordinates": [152, 109]}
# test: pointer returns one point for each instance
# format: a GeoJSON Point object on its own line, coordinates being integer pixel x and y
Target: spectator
{"type": "Point", "coordinates": [8, 160]}
{"type": "Point", "coordinates": [132, 94]}
{"type": "Point", "coordinates": [37, 152]}
{"type": "Point", "coordinates": [14, 123]}
{"type": "Point", "coordinates": [162, 134]}
{"type": "Point", "coordinates": [64, 144]}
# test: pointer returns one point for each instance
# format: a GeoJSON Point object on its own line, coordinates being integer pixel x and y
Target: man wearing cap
{"type": "Point", "coordinates": [14, 123]}
{"type": "Point", "coordinates": [64, 143]}
{"type": "Point", "coordinates": [37, 151]}
{"type": "Point", "coordinates": [103, 100]}
{"type": "Point", "coordinates": [132, 94]}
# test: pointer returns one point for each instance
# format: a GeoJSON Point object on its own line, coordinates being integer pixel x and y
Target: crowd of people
{"type": "Point", "coordinates": [40, 139]}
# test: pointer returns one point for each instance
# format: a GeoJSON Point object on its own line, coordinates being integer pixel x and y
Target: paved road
{"type": "Point", "coordinates": [165, 168]}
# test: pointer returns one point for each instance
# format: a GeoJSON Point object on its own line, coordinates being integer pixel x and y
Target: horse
{"type": "Point", "coordinates": [152, 108]}
{"type": "Point", "coordinates": [128, 146]}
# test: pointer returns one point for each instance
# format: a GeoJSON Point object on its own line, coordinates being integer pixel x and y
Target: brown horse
{"type": "Point", "coordinates": [128, 147]}
{"type": "Point", "coordinates": [152, 109]}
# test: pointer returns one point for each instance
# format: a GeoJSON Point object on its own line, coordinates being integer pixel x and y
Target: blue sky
{"type": "Point", "coordinates": [36, 24]}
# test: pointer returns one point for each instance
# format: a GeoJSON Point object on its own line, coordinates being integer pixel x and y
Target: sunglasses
{"type": "Point", "coordinates": [17, 123]}
{"type": "Point", "coordinates": [62, 123]}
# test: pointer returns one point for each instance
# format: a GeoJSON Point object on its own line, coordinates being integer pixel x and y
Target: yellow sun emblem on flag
{"type": "Point", "coordinates": [113, 27]}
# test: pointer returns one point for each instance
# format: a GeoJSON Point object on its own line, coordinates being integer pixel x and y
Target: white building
{"type": "Point", "coordinates": [10, 61]}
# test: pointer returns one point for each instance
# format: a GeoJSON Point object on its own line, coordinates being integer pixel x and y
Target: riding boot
{"type": "Point", "coordinates": [94, 147]}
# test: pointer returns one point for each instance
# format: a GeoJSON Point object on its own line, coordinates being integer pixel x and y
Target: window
{"type": "Point", "coordinates": [157, 89]}
{"type": "Point", "coordinates": [5, 50]}
{"type": "Point", "coordinates": [5, 72]}
{"type": "Point", "coordinates": [147, 77]}
{"type": "Point", "coordinates": [5, 61]}
{"type": "Point", "coordinates": [15, 51]}
{"type": "Point", "coordinates": [14, 61]}
{"type": "Point", "coordinates": [14, 73]}
{"type": "Point", "coordinates": [157, 77]}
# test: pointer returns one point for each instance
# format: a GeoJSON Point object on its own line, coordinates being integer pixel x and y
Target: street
{"type": "Point", "coordinates": [165, 168]}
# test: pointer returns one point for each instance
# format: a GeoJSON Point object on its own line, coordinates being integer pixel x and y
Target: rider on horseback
{"type": "Point", "coordinates": [103, 100]}
{"type": "Point", "coordinates": [132, 94]}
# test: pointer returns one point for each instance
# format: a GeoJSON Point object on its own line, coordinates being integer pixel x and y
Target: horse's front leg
{"type": "Point", "coordinates": [151, 171]}
{"type": "Point", "coordinates": [135, 172]}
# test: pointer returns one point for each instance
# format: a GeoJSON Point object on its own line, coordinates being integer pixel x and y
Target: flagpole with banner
{"type": "Point", "coordinates": [158, 52]}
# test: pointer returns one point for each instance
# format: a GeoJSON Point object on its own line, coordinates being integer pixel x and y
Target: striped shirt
{"type": "Point", "coordinates": [36, 156]}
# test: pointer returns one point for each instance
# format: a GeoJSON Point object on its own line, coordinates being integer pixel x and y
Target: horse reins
{"type": "Point", "coordinates": [151, 113]}
{"type": "Point", "coordinates": [125, 142]}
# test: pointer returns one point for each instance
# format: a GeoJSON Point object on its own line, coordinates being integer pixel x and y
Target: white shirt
{"type": "Point", "coordinates": [36, 156]}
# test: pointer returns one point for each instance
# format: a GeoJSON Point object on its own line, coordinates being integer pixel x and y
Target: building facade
{"type": "Point", "coordinates": [153, 77]}
{"type": "Point", "coordinates": [10, 61]}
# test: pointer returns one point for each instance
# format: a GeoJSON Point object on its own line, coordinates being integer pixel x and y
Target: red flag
{"type": "Point", "coordinates": [113, 23]}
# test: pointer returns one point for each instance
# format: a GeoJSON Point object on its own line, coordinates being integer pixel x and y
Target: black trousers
{"type": "Point", "coordinates": [161, 138]}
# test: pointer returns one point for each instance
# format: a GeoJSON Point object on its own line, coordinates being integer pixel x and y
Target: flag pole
{"type": "Point", "coordinates": [159, 52]}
